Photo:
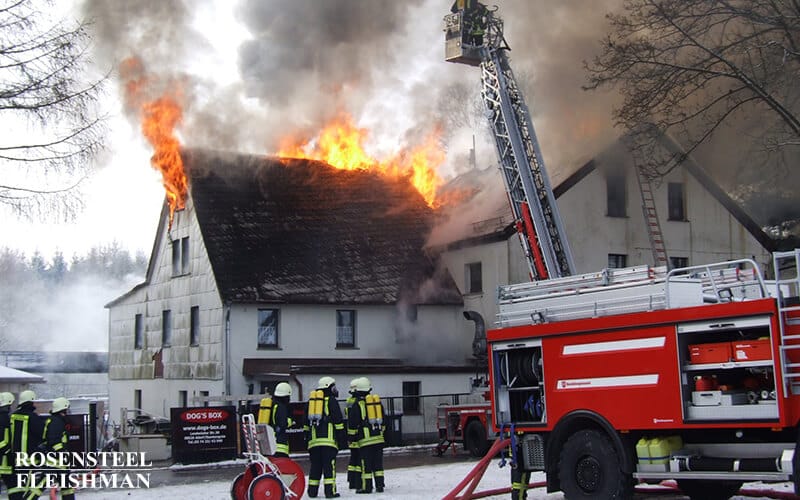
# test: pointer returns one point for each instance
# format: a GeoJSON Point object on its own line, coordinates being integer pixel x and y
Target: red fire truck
{"type": "Point", "coordinates": [638, 374]}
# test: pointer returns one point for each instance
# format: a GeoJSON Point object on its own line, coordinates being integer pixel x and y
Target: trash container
{"type": "Point", "coordinates": [393, 435]}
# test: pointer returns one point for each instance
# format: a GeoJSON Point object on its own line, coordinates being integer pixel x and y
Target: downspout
{"type": "Point", "coordinates": [227, 347]}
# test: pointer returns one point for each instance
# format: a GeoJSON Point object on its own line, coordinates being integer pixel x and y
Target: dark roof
{"type": "Point", "coordinates": [301, 231]}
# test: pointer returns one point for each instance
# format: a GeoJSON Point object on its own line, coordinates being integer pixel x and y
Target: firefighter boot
{"type": "Point", "coordinates": [313, 488]}
{"type": "Point", "coordinates": [379, 481]}
{"type": "Point", "coordinates": [366, 486]}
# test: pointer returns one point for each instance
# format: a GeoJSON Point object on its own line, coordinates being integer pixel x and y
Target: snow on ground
{"type": "Point", "coordinates": [425, 482]}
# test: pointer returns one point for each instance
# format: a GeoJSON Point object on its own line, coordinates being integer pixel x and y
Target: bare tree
{"type": "Point", "coordinates": [48, 109]}
{"type": "Point", "coordinates": [696, 68]}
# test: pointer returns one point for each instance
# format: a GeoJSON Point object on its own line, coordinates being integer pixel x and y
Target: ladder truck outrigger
{"type": "Point", "coordinates": [635, 375]}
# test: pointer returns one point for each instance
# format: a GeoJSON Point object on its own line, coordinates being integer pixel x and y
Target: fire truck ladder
{"type": "Point", "coordinates": [787, 291]}
{"type": "Point", "coordinates": [651, 218]}
{"type": "Point", "coordinates": [530, 195]}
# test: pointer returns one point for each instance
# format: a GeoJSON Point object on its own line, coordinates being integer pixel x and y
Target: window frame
{"type": "Point", "coordinates": [185, 256]}
{"type": "Point", "coordinates": [673, 262]}
{"type": "Point", "coordinates": [138, 331]}
{"type": "Point", "coordinates": [614, 259]}
{"type": "Point", "coordinates": [276, 314]}
{"type": "Point", "coordinates": [194, 326]}
{"type": "Point", "coordinates": [676, 201]}
{"type": "Point", "coordinates": [471, 284]}
{"type": "Point", "coordinates": [166, 328]}
{"type": "Point", "coordinates": [341, 328]}
{"type": "Point", "coordinates": [412, 400]}
{"type": "Point", "coordinates": [616, 194]}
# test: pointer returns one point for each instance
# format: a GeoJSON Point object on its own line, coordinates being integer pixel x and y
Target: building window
{"type": "Point", "coordinates": [180, 256]}
{"type": "Point", "coordinates": [473, 278]}
{"type": "Point", "coordinates": [204, 397]}
{"type": "Point", "coordinates": [411, 398]}
{"type": "Point", "coordinates": [166, 328]}
{"type": "Point", "coordinates": [194, 325]}
{"type": "Point", "coordinates": [616, 196]}
{"type": "Point", "coordinates": [138, 332]}
{"type": "Point", "coordinates": [137, 401]}
{"type": "Point", "coordinates": [345, 328]}
{"type": "Point", "coordinates": [183, 399]}
{"type": "Point", "coordinates": [676, 201]}
{"type": "Point", "coordinates": [617, 260]}
{"type": "Point", "coordinates": [676, 262]}
{"type": "Point", "coordinates": [268, 328]}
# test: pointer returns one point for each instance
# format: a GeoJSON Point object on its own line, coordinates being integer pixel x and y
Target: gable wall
{"type": "Point", "coordinates": [710, 233]}
{"type": "Point", "coordinates": [178, 294]}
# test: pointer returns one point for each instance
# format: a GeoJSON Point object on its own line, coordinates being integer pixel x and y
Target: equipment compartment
{"type": "Point", "coordinates": [719, 383]}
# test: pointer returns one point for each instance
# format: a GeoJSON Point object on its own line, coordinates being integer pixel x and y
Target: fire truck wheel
{"type": "Point", "coordinates": [266, 487]}
{"type": "Point", "coordinates": [475, 439]}
{"type": "Point", "coordinates": [698, 489]}
{"type": "Point", "coordinates": [589, 467]}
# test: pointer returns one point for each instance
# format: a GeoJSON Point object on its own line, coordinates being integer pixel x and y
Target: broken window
{"type": "Point", "coordinates": [138, 332]}
{"type": "Point", "coordinates": [473, 279]}
{"type": "Point", "coordinates": [267, 328]}
{"type": "Point", "coordinates": [345, 328]}
{"type": "Point", "coordinates": [616, 197]}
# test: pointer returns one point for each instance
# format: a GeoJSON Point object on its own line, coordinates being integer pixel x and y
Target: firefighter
{"type": "Point", "coordinates": [324, 431]}
{"type": "Point", "coordinates": [369, 438]}
{"type": "Point", "coordinates": [280, 421]}
{"type": "Point", "coordinates": [56, 440]}
{"type": "Point", "coordinates": [27, 429]}
{"type": "Point", "coordinates": [354, 466]}
{"type": "Point", "coordinates": [6, 460]}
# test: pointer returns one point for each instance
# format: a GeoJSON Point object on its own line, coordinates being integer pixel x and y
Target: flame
{"type": "Point", "coordinates": [159, 118]}
{"type": "Point", "coordinates": [341, 144]}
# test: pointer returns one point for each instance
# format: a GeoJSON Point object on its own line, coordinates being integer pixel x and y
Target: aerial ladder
{"type": "Point", "coordinates": [474, 36]}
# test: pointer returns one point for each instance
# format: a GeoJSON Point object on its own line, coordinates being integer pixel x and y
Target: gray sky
{"type": "Point", "coordinates": [254, 70]}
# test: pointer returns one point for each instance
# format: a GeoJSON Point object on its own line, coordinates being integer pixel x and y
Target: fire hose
{"type": "Point", "coordinates": [465, 490]}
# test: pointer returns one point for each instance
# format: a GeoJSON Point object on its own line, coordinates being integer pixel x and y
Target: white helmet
{"type": "Point", "coordinates": [59, 404]}
{"type": "Point", "coordinates": [6, 399]}
{"type": "Point", "coordinates": [283, 389]}
{"type": "Point", "coordinates": [26, 396]}
{"type": "Point", "coordinates": [353, 385]}
{"type": "Point", "coordinates": [363, 384]}
{"type": "Point", "coordinates": [325, 382]}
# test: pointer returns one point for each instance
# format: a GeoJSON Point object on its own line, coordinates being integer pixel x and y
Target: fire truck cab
{"type": "Point", "coordinates": [640, 374]}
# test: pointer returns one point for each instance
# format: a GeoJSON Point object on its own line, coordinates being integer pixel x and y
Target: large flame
{"type": "Point", "coordinates": [159, 118]}
{"type": "Point", "coordinates": [341, 144]}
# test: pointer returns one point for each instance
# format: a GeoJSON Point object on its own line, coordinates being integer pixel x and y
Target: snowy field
{"type": "Point", "coordinates": [426, 482]}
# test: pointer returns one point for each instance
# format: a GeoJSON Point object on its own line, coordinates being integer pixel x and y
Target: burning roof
{"type": "Point", "coordinates": [279, 230]}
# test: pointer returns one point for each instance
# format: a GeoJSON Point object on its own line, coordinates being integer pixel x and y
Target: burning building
{"type": "Point", "coordinates": [279, 269]}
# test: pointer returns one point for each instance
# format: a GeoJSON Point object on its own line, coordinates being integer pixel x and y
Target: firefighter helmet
{"type": "Point", "coordinates": [353, 385]}
{"type": "Point", "coordinates": [283, 389]}
{"type": "Point", "coordinates": [363, 385]}
{"type": "Point", "coordinates": [325, 382]}
{"type": "Point", "coordinates": [6, 399]}
{"type": "Point", "coordinates": [26, 396]}
{"type": "Point", "coordinates": [59, 404]}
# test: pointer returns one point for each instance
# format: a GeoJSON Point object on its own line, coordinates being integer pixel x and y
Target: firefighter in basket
{"type": "Point", "coordinates": [365, 427]}
{"type": "Point", "coordinates": [279, 418]}
{"type": "Point", "coordinates": [354, 466]}
{"type": "Point", "coordinates": [324, 431]}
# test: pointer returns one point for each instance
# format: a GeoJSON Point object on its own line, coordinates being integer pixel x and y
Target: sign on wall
{"type": "Point", "coordinates": [203, 434]}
